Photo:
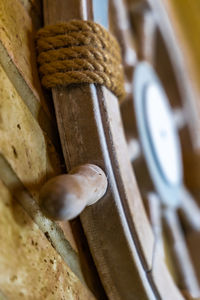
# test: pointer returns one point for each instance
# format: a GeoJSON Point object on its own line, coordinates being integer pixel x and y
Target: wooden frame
{"type": "Point", "coordinates": [117, 228]}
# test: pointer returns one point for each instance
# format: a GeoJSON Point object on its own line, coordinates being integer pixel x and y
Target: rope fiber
{"type": "Point", "coordinates": [79, 52]}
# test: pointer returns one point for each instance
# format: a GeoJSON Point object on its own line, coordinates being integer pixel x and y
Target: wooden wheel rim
{"type": "Point", "coordinates": [184, 100]}
{"type": "Point", "coordinates": [117, 228]}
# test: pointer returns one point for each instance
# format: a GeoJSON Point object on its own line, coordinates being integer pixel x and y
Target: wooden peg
{"type": "Point", "coordinates": [64, 197]}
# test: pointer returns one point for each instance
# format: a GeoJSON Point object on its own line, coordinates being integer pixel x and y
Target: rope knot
{"type": "Point", "coordinates": [79, 52]}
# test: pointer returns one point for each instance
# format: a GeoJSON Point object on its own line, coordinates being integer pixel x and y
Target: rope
{"type": "Point", "coordinates": [79, 52]}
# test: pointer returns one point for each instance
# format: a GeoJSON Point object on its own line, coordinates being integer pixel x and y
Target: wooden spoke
{"type": "Point", "coordinates": [89, 122]}
{"type": "Point", "coordinates": [159, 273]}
{"type": "Point", "coordinates": [121, 27]}
{"type": "Point", "coordinates": [128, 117]}
{"type": "Point", "coordinates": [145, 28]}
{"type": "Point", "coordinates": [181, 256]}
{"type": "Point", "coordinates": [193, 242]}
{"type": "Point", "coordinates": [179, 118]}
{"type": "Point", "coordinates": [190, 209]}
{"type": "Point", "coordinates": [155, 212]}
{"type": "Point", "coordinates": [134, 149]}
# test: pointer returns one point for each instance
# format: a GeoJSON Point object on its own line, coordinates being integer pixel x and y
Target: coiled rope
{"type": "Point", "coordinates": [79, 52]}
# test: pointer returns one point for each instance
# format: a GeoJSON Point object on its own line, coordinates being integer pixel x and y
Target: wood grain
{"type": "Point", "coordinates": [105, 219]}
{"type": "Point", "coordinates": [83, 140]}
{"type": "Point", "coordinates": [117, 229]}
